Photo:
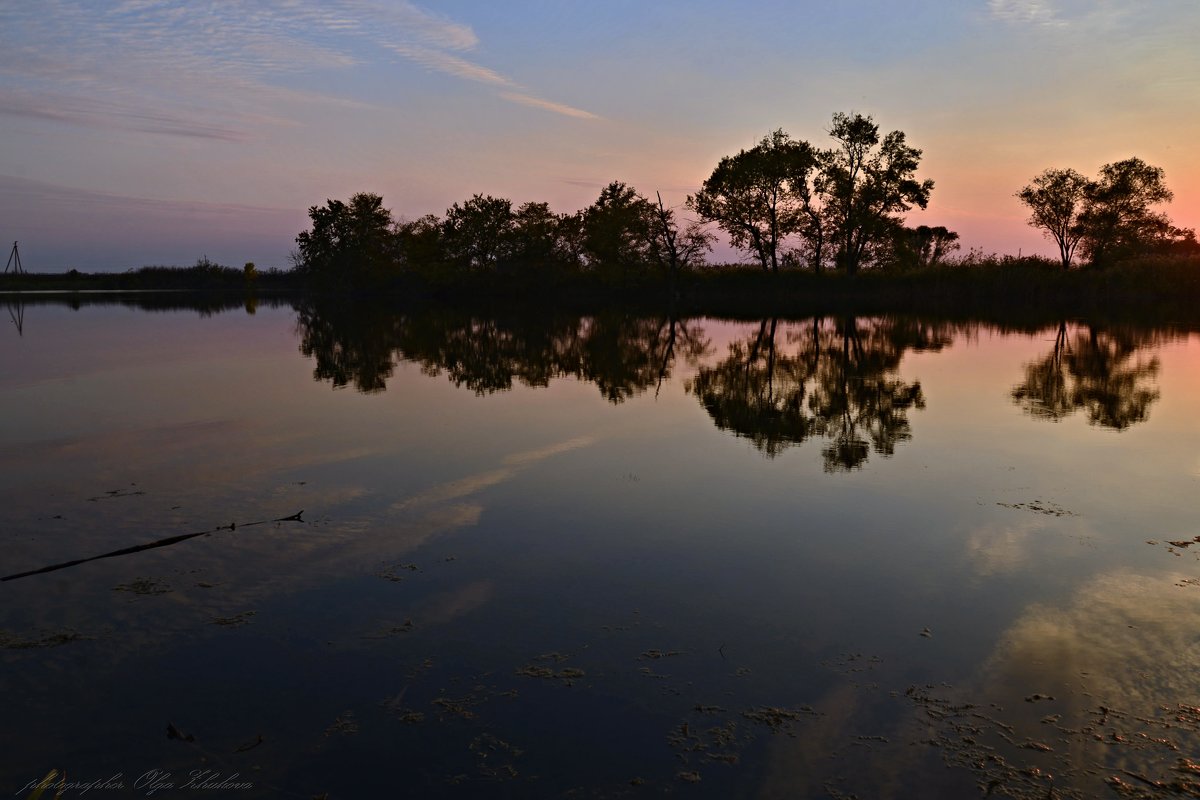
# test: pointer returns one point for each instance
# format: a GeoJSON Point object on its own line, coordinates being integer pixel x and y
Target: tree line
{"type": "Point", "coordinates": [785, 202]}
{"type": "Point", "coordinates": [619, 236]}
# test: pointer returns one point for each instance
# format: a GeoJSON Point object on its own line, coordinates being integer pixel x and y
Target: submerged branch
{"type": "Point", "coordinates": [150, 546]}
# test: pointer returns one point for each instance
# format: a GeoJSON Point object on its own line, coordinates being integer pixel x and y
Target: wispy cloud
{"type": "Point", "coordinates": [151, 57]}
{"type": "Point", "coordinates": [449, 64]}
{"type": "Point", "coordinates": [557, 108]}
{"type": "Point", "coordinates": [24, 190]}
{"type": "Point", "coordinates": [92, 112]}
{"type": "Point", "coordinates": [1033, 12]}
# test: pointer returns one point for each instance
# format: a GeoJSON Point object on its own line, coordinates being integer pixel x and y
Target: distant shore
{"type": "Point", "coordinates": [1160, 289]}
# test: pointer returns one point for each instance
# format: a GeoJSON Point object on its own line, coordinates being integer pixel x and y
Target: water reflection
{"type": "Point", "coordinates": [830, 378]}
{"type": "Point", "coordinates": [461, 592]}
{"type": "Point", "coordinates": [1107, 372]}
{"type": "Point", "coordinates": [834, 378]}
{"type": "Point", "coordinates": [621, 353]}
{"type": "Point", "coordinates": [16, 313]}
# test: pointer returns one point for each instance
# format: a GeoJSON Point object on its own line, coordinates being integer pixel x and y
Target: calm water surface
{"type": "Point", "coordinates": [599, 557]}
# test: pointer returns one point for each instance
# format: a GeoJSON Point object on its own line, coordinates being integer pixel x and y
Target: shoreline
{"type": "Point", "coordinates": [1160, 291]}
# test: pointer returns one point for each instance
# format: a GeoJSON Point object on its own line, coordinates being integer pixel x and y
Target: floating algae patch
{"type": "Point", "coordinates": [391, 630]}
{"type": "Point", "coordinates": [1040, 507]}
{"type": "Point", "coordinates": [779, 720]}
{"type": "Point", "coordinates": [13, 641]}
{"type": "Point", "coordinates": [495, 759]}
{"type": "Point", "coordinates": [544, 668]}
{"type": "Point", "coordinates": [235, 621]}
{"type": "Point", "coordinates": [344, 725]}
{"type": "Point", "coordinates": [1113, 667]}
{"type": "Point", "coordinates": [1137, 756]}
{"type": "Point", "coordinates": [144, 586]}
{"type": "Point", "coordinates": [463, 706]}
{"type": "Point", "coordinates": [708, 743]}
{"type": "Point", "coordinates": [654, 655]}
{"type": "Point", "coordinates": [711, 738]}
{"type": "Point", "coordinates": [396, 572]}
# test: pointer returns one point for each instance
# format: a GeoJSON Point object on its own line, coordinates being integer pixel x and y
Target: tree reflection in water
{"type": "Point", "coordinates": [834, 379]}
{"type": "Point", "coordinates": [830, 378]}
{"type": "Point", "coordinates": [1104, 371]}
{"type": "Point", "coordinates": [621, 353]}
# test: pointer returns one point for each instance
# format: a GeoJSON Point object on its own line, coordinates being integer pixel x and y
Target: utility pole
{"type": "Point", "coordinates": [14, 257]}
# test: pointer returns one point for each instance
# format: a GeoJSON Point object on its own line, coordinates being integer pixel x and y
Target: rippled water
{"type": "Point", "coordinates": [604, 556]}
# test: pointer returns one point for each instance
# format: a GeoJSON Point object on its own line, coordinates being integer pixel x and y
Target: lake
{"type": "Point", "coordinates": [453, 554]}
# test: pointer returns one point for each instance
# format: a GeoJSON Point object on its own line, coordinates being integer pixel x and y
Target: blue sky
{"type": "Point", "coordinates": [147, 132]}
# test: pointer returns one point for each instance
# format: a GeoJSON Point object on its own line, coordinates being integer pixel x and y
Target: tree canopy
{"type": "Point", "coordinates": [869, 184]}
{"type": "Point", "coordinates": [1107, 219]}
{"type": "Point", "coordinates": [348, 241]}
{"type": "Point", "coordinates": [843, 205]}
{"type": "Point", "coordinates": [757, 195]}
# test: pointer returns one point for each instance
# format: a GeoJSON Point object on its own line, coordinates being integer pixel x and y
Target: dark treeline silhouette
{"type": "Point", "coordinates": [203, 276]}
{"type": "Point", "coordinates": [826, 228]}
{"type": "Point", "coordinates": [619, 240]}
{"type": "Point", "coordinates": [1106, 372]}
{"type": "Point", "coordinates": [790, 205]}
{"type": "Point", "coordinates": [783, 201]}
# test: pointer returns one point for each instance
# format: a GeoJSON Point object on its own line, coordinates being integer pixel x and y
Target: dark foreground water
{"type": "Point", "coordinates": [599, 557]}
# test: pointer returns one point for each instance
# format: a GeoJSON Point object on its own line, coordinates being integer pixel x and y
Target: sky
{"type": "Point", "coordinates": [159, 132]}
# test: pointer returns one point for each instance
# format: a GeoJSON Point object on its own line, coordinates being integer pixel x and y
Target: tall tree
{"type": "Point", "coordinates": [1057, 199]}
{"type": "Point", "coordinates": [569, 245]}
{"type": "Point", "coordinates": [533, 236]}
{"type": "Point", "coordinates": [617, 230]}
{"type": "Point", "coordinates": [479, 233]}
{"type": "Point", "coordinates": [755, 196]}
{"type": "Point", "coordinates": [348, 241]}
{"type": "Point", "coordinates": [1118, 220]}
{"type": "Point", "coordinates": [868, 184]}
{"type": "Point", "coordinates": [677, 249]}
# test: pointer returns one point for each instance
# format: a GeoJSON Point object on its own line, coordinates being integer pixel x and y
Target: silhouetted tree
{"type": "Point", "coordinates": [923, 246]}
{"type": "Point", "coordinates": [868, 184]}
{"type": "Point", "coordinates": [1110, 218]}
{"type": "Point", "coordinates": [478, 234]}
{"type": "Point", "coordinates": [533, 238]}
{"type": "Point", "coordinates": [569, 241]}
{"type": "Point", "coordinates": [676, 249]}
{"type": "Point", "coordinates": [1057, 199]}
{"type": "Point", "coordinates": [349, 241]}
{"type": "Point", "coordinates": [421, 247]}
{"type": "Point", "coordinates": [618, 231]}
{"type": "Point", "coordinates": [1117, 220]}
{"type": "Point", "coordinates": [757, 195]}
